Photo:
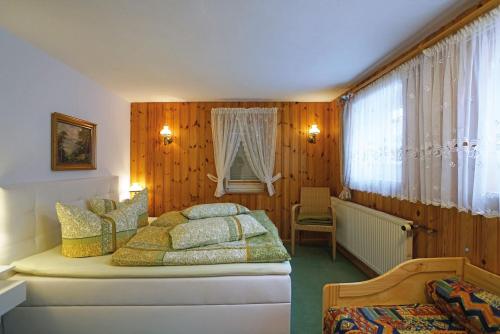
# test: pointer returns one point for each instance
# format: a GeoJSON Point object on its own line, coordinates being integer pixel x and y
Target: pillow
{"type": "Point", "coordinates": [140, 199]}
{"type": "Point", "coordinates": [208, 231]}
{"type": "Point", "coordinates": [83, 232]}
{"type": "Point", "coordinates": [101, 206]}
{"type": "Point", "coordinates": [214, 210]}
{"type": "Point", "coordinates": [124, 223]}
{"type": "Point", "coordinates": [471, 306]}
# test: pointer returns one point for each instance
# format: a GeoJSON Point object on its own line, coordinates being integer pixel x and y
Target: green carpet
{"type": "Point", "coordinates": [312, 267]}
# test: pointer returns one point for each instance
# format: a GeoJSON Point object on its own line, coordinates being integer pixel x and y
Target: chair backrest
{"type": "Point", "coordinates": [315, 199]}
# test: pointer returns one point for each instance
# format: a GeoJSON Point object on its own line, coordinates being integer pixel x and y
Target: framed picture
{"type": "Point", "coordinates": [73, 143]}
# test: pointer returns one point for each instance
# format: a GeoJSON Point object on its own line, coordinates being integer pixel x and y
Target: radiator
{"type": "Point", "coordinates": [376, 238]}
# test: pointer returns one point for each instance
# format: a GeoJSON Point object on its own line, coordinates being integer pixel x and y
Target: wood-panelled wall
{"type": "Point", "coordinates": [457, 233]}
{"type": "Point", "coordinates": [176, 174]}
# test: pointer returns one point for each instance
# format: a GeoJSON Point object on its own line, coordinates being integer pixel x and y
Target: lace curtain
{"type": "Point", "coordinates": [256, 129]}
{"type": "Point", "coordinates": [449, 151]}
{"type": "Point", "coordinates": [373, 138]}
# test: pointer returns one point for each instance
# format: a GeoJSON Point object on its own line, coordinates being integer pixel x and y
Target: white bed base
{"type": "Point", "coordinates": [32, 227]}
{"type": "Point", "coordinates": [206, 319]}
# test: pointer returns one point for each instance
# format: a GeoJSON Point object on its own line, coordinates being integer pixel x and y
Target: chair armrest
{"type": "Point", "coordinates": [333, 213]}
{"type": "Point", "coordinates": [404, 284]}
{"type": "Point", "coordinates": [294, 210]}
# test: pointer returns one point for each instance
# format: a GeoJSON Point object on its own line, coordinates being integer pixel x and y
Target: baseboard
{"type": "Point", "coordinates": [357, 262]}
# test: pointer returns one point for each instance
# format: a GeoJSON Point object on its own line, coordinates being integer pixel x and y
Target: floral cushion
{"type": "Point", "coordinates": [124, 224]}
{"type": "Point", "coordinates": [209, 231]}
{"type": "Point", "coordinates": [101, 206]}
{"type": "Point", "coordinates": [83, 232]}
{"type": "Point", "coordinates": [86, 234]}
{"type": "Point", "coordinates": [474, 308]}
{"type": "Point", "coordinates": [140, 199]}
{"type": "Point", "coordinates": [214, 210]}
{"type": "Point", "coordinates": [402, 319]}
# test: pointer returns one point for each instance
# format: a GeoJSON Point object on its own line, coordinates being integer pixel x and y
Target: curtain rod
{"type": "Point", "coordinates": [456, 24]}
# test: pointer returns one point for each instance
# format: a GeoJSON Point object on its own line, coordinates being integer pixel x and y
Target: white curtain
{"type": "Point", "coordinates": [258, 134]}
{"type": "Point", "coordinates": [226, 139]}
{"type": "Point", "coordinates": [346, 145]}
{"type": "Point", "coordinates": [446, 149]}
{"type": "Point", "coordinates": [373, 138]}
{"type": "Point", "coordinates": [256, 129]}
{"type": "Point", "coordinates": [452, 109]}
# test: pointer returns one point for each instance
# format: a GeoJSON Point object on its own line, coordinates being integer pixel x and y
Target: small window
{"type": "Point", "coordinates": [241, 177]}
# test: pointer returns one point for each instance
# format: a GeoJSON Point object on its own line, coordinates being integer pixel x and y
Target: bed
{"type": "Point", "coordinates": [91, 295]}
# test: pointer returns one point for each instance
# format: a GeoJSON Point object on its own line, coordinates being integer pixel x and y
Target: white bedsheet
{"type": "Point", "coordinates": [224, 290]}
{"type": "Point", "coordinates": [52, 263]}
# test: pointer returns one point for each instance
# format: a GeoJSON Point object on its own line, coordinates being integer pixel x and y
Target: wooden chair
{"type": "Point", "coordinates": [314, 213]}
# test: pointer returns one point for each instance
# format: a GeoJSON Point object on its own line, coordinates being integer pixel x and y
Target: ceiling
{"type": "Point", "coordinates": [217, 50]}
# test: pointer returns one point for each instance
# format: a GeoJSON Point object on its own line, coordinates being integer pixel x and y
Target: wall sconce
{"type": "Point", "coordinates": [167, 135]}
{"type": "Point", "coordinates": [134, 189]}
{"type": "Point", "coordinates": [313, 133]}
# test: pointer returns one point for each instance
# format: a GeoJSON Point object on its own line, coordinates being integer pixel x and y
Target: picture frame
{"type": "Point", "coordinates": [73, 143]}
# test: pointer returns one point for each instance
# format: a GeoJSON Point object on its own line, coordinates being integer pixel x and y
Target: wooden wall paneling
{"type": "Point", "coordinates": [176, 173]}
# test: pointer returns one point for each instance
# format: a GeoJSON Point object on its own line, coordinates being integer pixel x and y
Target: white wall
{"type": "Point", "coordinates": [32, 86]}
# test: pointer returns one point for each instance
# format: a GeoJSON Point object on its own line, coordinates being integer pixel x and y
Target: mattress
{"type": "Point", "coordinates": [51, 263]}
{"type": "Point", "coordinates": [223, 290]}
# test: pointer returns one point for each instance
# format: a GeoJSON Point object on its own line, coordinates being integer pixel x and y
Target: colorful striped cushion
{"type": "Point", "coordinates": [209, 231]}
{"type": "Point", "coordinates": [202, 211]}
{"type": "Point", "coordinates": [474, 308]}
{"type": "Point", "coordinates": [402, 319]}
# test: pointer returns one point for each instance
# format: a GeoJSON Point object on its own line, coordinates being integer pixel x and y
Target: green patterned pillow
{"type": "Point", "coordinates": [214, 210]}
{"type": "Point", "coordinates": [209, 231]}
{"type": "Point", "coordinates": [141, 201]}
{"type": "Point", "coordinates": [100, 206]}
{"type": "Point", "coordinates": [124, 223]}
{"type": "Point", "coordinates": [83, 232]}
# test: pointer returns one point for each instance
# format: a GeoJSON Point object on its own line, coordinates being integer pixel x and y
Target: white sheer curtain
{"type": "Point", "coordinates": [445, 148]}
{"type": "Point", "coordinates": [226, 139]}
{"type": "Point", "coordinates": [373, 138]}
{"type": "Point", "coordinates": [258, 135]}
{"type": "Point", "coordinates": [256, 129]}
{"type": "Point", "coordinates": [346, 145]}
{"type": "Point", "coordinates": [452, 109]}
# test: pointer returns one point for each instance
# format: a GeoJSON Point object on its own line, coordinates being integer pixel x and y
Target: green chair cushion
{"type": "Point", "coordinates": [314, 222]}
{"type": "Point", "coordinates": [305, 218]}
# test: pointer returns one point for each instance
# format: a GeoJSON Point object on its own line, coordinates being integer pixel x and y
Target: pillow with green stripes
{"type": "Point", "coordinates": [86, 234]}
{"type": "Point", "coordinates": [101, 206]}
{"type": "Point", "coordinates": [83, 232]}
{"type": "Point", "coordinates": [202, 211]}
{"type": "Point", "coordinates": [208, 231]}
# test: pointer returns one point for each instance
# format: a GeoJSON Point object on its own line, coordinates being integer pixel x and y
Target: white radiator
{"type": "Point", "coordinates": [376, 238]}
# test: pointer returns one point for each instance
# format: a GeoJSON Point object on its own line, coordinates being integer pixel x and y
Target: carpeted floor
{"type": "Point", "coordinates": [312, 267]}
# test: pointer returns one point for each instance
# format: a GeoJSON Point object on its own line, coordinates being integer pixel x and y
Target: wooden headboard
{"type": "Point", "coordinates": [28, 222]}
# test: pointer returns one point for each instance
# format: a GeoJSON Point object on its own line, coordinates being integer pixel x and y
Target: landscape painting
{"type": "Point", "coordinates": [73, 143]}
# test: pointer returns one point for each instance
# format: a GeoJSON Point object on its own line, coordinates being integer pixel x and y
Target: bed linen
{"type": "Point", "coordinates": [52, 263]}
{"type": "Point", "coordinates": [220, 290]}
{"type": "Point", "coordinates": [153, 246]}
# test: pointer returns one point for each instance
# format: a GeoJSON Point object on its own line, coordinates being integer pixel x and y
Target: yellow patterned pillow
{"type": "Point", "coordinates": [83, 232]}
{"type": "Point", "coordinates": [214, 210]}
{"type": "Point", "coordinates": [100, 206]}
{"type": "Point", "coordinates": [124, 223]}
{"type": "Point", "coordinates": [140, 199]}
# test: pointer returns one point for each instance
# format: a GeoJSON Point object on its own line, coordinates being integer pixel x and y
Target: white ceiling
{"type": "Point", "coordinates": [207, 50]}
